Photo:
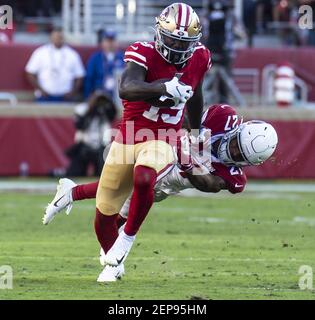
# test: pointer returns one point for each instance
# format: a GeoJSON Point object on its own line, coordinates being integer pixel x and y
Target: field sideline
{"type": "Point", "coordinates": [217, 247]}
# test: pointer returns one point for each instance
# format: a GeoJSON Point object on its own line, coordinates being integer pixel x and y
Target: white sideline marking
{"type": "Point", "coordinates": [268, 188]}
{"type": "Point", "coordinates": [249, 260]}
{"type": "Point", "coordinates": [294, 221]}
{"type": "Point", "coordinates": [306, 220]}
{"type": "Point", "coordinates": [207, 219]}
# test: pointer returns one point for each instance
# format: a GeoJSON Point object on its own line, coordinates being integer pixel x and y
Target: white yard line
{"type": "Point", "coordinates": [296, 220]}
{"type": "Point", "coordinates": [256, 187]}
{"type": "Point", "coordinates": [167, 258]}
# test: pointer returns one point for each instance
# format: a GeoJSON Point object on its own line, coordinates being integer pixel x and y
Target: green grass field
{"type": "Point", "coordinates": [222, 247]}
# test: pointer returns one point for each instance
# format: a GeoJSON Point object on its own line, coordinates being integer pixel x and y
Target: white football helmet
{"type": "Point", "coordinates": [256, 140]}
{"type": "Point", "coordinates": [178, 31]}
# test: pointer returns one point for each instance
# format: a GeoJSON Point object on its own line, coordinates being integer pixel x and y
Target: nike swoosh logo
{"type": "Point", "coordinates": [238, 185]}
{"type": "Point", "coordinates": [120, 260]}
{"type": "Point", "coordinates": [134, 48]}
{"type": "Point", "coordinates": [56, 202]}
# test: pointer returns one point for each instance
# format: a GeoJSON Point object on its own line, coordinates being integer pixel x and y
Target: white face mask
{"type": "Point", "coordinates": [256, 140]}
{"type": "Point", "coordinates": [224, 153]}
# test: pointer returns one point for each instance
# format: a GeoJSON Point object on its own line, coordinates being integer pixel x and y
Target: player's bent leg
{"type": "Point", "coordinates": [121, 222]}
{"type": "Point", "coordinates": [85, 191]}
{"type": "Point", "coordinates": [62, 200]}
{"type": "Point", "coordinates": [114, 187]}
{"type": "Point", "coordinates": [141, 199]}
{"type": "Point", "coordinates": [140, 204]}
{"type": "Point", "coordinates": [151, 157]}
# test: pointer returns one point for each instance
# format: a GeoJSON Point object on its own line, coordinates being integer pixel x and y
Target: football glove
{"type": "Point", "coordinates": [179, 92]}
{"type": "Point", "coordinates": [194, 154]}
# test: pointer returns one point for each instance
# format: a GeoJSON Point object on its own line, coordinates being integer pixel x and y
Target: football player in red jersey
{"type": "Point", "coordinates": [232, 145]}
{"type": "Point", "coordinates": [140, 151]}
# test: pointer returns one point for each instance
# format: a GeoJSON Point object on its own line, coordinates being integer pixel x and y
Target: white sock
{"type": "Point", "coordinates": [125, 236]}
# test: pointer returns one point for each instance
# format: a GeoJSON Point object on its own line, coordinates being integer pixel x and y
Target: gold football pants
{"type": "Point", "coordinates": [116, 181]}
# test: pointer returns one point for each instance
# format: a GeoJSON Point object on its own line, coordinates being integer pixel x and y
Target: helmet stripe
{"type": "Point", "coordinates": [179, 15]}
{"type": "Point", "coordinates": [184, 16]}
{"type": "Point", "coordinates": [187, 17]}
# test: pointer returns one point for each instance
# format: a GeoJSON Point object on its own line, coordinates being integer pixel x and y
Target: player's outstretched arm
{"type": "Point", "coordinates": [133, 86]}
{"type": "Point", "coordinates": [207, 182]}
{"type": "Point", "coordinates": [195, 107]}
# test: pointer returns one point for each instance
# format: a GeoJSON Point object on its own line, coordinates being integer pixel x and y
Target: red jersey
{"type": "Point", "coordinates": [221, 119]}
{"type": "Point", "coordinates": [145, 116]}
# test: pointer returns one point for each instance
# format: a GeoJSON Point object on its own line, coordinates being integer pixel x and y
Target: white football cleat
{"type": "Point", "coordinates": [111, 273]}
{"type": "Point", "coordinates": [62, 200]}
{"type": "Point", "coordinates": [118, 253]}
{"type": "Point", "coordinates": [102, 253]}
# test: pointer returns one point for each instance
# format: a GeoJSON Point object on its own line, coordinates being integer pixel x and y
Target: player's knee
{"type": "Point", "coordinates": [144, 177]}
{"type": "Point", "coordinates": [105, 207]}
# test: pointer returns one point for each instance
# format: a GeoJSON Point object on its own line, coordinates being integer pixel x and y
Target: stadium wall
{"type": "Point", "coordinates": [14, 57]}
{"type": "Point", "coordinates": [39, 136]}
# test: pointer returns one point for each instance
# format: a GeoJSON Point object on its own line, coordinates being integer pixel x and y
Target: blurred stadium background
{"type": "Point", "coordinates": [34, 137]}
{"type": "Point", "coordinates": [41, 132]}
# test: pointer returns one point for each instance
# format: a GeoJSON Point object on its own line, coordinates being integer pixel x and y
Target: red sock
{"type": "Point", "coordinates": [106, 229]}
{"type": "Point", "coordinates": [120, 221]}
{"type": "Point", "coordinates": [84, 191]}
{"type": "Point", "coordinates": [142, 198]}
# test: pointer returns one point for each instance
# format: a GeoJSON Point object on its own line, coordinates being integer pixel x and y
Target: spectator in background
{"type": "Point", "coordinates": [286, 15]}
{"type": "Point", "coordinates": [223, 26]}
{"type": "Point", "coordinates": [55, 70]}
{"type": "Point", "coordinates": [264, 14]}
{"type": "Point", "coordinates": [93, 123]}
{"type": "Point", "coordinates": [249, 18]}
{"type": "Point", "coordinates": [103, 66]}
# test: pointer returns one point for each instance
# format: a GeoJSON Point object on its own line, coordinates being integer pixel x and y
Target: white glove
{"type": "Point", "coordinates": [178, 92]}
{"type": "Point", "coordinates": [201, 147]}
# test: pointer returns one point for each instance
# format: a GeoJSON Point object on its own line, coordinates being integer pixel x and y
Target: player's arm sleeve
{"type": "Point", "coordinates": [136, 53]}
{"type": "Point", "coordinates": [234, 184]}
{"type": "Point", "coordinates": [133, 85]}
{"type": "Point", "coordinates": [207, 183]}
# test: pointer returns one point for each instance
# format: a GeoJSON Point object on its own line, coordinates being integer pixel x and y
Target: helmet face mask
{"type": "Point", "coordinates": [177, 33]}
{"type": "Point", "coordinates": [225, 148]}
{"type": "Point", "coordinates": [255, 142]}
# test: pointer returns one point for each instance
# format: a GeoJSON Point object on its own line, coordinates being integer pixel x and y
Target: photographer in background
{"type": "Point", "coordinates": [223, 26]}
{"type": "Point", "coordinates": [93, 123]}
